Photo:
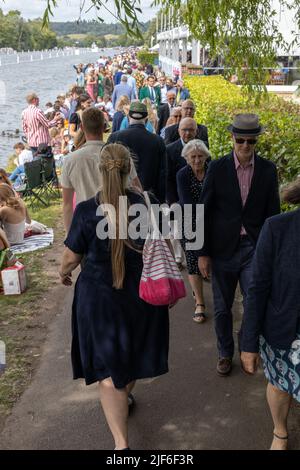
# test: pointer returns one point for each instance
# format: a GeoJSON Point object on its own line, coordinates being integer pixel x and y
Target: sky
{"type": "Point", "coordinates": [69, 9]}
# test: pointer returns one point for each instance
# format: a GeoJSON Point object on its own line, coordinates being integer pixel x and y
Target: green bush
{"type": "Point", "coordinates": [218, 101]}
{"type": "Point", "coordinates": [146, 57]}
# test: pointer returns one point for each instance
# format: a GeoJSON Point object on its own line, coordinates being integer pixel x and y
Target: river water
{"type": "Point", "coordinates": [48, 78]}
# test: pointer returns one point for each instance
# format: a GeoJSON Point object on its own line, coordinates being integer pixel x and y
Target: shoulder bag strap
{"type": "Point", "coordinates": [153, 228]}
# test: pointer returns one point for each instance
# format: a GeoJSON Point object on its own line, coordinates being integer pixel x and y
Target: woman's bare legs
{"type": "Point", "coordinates": [114, 402]}
{"type": "Point", "coordinates": [279, 403]}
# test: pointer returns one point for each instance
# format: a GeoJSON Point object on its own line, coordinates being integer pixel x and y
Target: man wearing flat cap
{"type": "Point", "coordinates": [148, 149]}
{"type": "Point", "coordinates": [239, 193]}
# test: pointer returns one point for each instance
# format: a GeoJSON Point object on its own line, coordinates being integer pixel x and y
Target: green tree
{"type": "Point", "coordinates": [20, 35]}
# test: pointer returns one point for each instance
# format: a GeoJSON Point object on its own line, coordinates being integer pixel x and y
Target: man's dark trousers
{"type": "Point", "coordinates": [225, 276]}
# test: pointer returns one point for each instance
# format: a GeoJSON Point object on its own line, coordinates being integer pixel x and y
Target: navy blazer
{"type": "Point", "coordinates": [273, 301]}
{"type": "Point", "coordinates": [150, 159]}
{"type": "Point", "coordinates": [224, 213]}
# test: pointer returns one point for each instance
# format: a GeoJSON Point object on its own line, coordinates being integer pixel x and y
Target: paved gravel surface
{"type": "Point", "coordinates": [188, 408]}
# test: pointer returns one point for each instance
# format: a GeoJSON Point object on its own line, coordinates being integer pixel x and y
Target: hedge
{"type": "Point", "coordinates": [217, 101]}
{"type": "Point", "coordinates": [146, 57]}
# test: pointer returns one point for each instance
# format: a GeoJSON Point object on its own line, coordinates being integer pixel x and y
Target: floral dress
{"type": "Point", "coordinates": [282, 367]}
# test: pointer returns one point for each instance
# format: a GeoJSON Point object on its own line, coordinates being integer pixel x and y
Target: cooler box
{"type": "Point", "coordinates": [14, 279]}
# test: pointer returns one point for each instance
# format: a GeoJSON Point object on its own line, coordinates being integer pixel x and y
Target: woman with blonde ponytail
{"type": "Point", "coordinates": [117, 337]}
{"type": "Point", "coordinates": [13, 214]}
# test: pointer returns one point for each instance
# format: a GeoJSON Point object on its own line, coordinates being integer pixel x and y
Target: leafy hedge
{"type": "Point", "coordinates": [146, 57]}
{"type": "Point", "coordinates": [218, 101]}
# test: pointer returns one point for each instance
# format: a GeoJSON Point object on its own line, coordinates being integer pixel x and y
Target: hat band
{"type": "Point", "coordinates": [236, 130]}
{"type": "Point", "coordinates": [137, 115]}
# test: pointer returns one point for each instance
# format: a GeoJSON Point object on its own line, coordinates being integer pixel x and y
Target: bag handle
{"type": "Point", "coordinates": [153, 228]}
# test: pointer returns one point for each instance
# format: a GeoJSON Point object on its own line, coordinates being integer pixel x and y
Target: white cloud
{"type": "Point", "coordinates": [68, 10]}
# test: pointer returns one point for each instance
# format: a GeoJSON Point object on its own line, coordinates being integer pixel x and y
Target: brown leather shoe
{"type": "Point", "coordinates": [224, 366]}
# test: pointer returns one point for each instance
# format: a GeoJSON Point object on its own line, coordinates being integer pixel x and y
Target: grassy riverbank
{"type": "Point", "coordinates": [24, 318]}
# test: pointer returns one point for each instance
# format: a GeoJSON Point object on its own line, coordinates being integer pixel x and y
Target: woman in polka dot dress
{"type": "Point", "coordinates": [189, 186]}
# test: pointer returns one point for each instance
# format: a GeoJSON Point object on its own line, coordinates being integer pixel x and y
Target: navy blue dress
{"type": "Point", "coordinates": [115, 333]}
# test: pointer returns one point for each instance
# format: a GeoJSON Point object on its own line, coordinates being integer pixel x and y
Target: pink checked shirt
{"type": "Point", "coordinates": [36, 126]}
{"type": "Point", "coordinates": [244, 175]}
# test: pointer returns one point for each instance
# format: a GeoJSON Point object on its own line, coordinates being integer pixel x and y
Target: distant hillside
{"type": "Point", "coordinates": [90, 27]}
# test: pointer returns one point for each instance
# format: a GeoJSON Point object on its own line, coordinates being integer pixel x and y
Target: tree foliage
{"type": "Point", "coordinates": [20, 35]}
{"type": "Point", "coordinates": [244, 32]}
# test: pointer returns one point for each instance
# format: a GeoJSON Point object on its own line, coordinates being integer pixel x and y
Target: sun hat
{"type": "Point", "coordinates": [138, 110]}
{"type": "Point", "coordinates": [246, 124]}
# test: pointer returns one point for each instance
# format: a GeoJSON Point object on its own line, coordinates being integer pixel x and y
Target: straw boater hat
{"type": "Point", "coordinates": [246, 124]}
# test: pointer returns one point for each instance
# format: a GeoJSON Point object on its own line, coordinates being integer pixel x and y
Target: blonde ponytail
{"type": "Point", "coordinates": [115, 169]}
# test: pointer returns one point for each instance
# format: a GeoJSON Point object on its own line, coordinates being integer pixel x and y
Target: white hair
{"type": "Point", "coordinates": [137, 121]}
{"type": "Point", "coordinates": [195, 144]}
{"type": "Point", "coordinates": [124, 78]}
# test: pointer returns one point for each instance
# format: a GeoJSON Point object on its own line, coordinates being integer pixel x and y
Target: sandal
{"type": "Point", "coordinates": [199, 317]}
{"type": "Point", "coordinates": [283, 444]}
{"type": "Point", "coordinates": [280, 437]}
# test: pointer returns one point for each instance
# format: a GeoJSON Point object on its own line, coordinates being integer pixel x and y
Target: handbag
{"type": "Point", "coordinates": [161, 281]}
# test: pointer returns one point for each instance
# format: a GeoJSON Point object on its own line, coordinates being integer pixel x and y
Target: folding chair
{"type": "Point", "coordinates": [49, 176]}
{"type": "Point", "coordinates": [32, 188]}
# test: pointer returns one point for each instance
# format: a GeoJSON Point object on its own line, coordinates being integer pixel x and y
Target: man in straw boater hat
{"type": "Point", "coordinates": [240, 192]}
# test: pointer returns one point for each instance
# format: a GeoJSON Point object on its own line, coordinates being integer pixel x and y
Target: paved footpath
{"type": "Point", "coordinates": [188, 408]}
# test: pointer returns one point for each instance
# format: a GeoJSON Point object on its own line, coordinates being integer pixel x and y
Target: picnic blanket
{"type": "Point", "coordinates": [34, 242]}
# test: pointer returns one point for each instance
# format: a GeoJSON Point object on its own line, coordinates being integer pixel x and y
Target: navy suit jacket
{"type": "Point", "coordinates": [224, 213]}
{"type": "Point", "coordinates": [149, 156]}
{"type": "Point", "coordinates": [273, 300]}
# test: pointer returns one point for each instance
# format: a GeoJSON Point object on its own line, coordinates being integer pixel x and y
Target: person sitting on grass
{"type": "Point", "coordinates": [24, 155]}
{"type": "Point", "coordinates": [13, 214]}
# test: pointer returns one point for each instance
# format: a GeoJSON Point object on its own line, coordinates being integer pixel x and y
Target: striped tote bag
{"type": "Point", "coordinates": [161, 281]}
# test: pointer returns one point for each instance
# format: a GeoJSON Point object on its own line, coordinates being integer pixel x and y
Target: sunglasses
{"type": "Point", "coordinates": [249, 141]}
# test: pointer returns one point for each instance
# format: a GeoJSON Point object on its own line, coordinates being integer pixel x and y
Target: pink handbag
{"type": "Point", "coordinates": [161, 281]}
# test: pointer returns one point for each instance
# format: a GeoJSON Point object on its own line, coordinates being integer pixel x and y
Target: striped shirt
{"type": "Point", "coordinates": [244, 175]}
{"type": "Point", "coordinates": [36, 126]}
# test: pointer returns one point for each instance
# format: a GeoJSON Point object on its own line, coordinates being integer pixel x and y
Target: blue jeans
{"type": "Point", "coordinates": [225, 276]}
{"type": "Point", "coordinates": [17, 175]}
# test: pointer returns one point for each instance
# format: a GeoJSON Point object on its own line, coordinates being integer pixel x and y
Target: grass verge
{"type": "Point", "coordinates": [22, 323]}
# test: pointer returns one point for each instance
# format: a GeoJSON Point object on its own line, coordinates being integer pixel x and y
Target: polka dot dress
{"type": "Point", "coordinates": [196, 189]}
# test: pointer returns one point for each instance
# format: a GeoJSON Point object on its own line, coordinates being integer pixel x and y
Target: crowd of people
{"type": "Point", "coordinates": [157, 145]}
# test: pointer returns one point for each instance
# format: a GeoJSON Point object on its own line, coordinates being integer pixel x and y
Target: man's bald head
{"type": "Point", "coordinates": [187, 129]}
{"type": "Point", "coordinates": [188, 109]}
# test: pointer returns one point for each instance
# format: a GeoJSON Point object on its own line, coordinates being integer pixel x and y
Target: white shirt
{"type": "Point", "coordinates": [163, 91]}
{"type": "Point", "coordinates": [110, 109]}
{"type": "Point", "coordinates": [25, 157]}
